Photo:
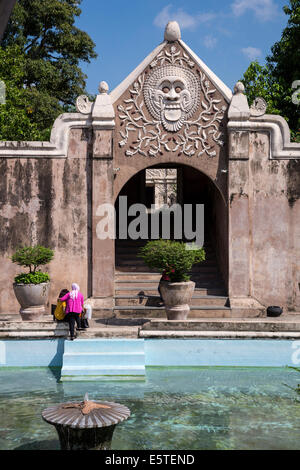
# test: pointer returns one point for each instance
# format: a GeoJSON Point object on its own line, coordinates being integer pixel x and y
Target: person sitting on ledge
{"type": "Point", "coordinates": [74, 308]}
{"type": "Point", "coordinates": [60, 310]}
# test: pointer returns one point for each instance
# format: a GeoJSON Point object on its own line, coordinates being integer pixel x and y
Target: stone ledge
{"type": "Point", "coordinates": [219, 334]}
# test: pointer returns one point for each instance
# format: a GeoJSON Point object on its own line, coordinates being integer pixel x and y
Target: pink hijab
{"type": "Point", "coordinates": [74, 291]}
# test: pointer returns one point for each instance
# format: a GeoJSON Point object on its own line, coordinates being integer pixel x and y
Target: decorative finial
{"type": "Point", "coordinates": [103, 88]}
{"type": "Point", "coordinates": [239, 88]}
{"type": "Point", "coordinates": [172, 32]}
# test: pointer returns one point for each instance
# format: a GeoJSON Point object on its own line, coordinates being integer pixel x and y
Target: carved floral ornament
{"type": "Point", "coordinates": [172, 92]}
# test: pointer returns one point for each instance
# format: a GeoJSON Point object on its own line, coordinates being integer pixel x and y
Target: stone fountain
{"type": "Point", "coordinates": [88, 425]}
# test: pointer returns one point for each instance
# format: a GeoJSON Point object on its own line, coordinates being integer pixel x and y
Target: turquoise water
{"type": "Point", "coordinates": [174, 409]}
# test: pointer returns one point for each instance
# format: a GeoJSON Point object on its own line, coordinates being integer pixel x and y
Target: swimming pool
{"type": "Point", "coordinates": [175, 408]}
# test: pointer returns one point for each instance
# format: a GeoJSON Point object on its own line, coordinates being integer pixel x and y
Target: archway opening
{"type": "Point", "coordinates": [166, 185]}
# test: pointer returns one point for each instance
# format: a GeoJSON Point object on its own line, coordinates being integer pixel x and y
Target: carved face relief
{"type": "Point", "coordinates": [172, 95]}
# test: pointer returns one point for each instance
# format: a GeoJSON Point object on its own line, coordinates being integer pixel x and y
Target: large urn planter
{"type": "Point", "coordinates": [174, 260]}
{"type": "Point", "coordinates": [32, 299]}
{"type": "Point", "coordinates": [177, 297]}
{"type": "Point", "coordinates": [32, 288]}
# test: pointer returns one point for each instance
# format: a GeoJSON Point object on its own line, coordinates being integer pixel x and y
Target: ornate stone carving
{"type": "Point", "coordinates": [172, 95]}
{"type": "Point", "coordinates": [258, 107]}
{"type": "Point", "coordinates": [172, 92]}
{"type": "Point", "coordinates": [83, 104]}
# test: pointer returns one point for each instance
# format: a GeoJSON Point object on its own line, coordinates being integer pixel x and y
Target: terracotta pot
{"type": "Point", "coordinates": [177, 297]}
{"type": "Point", "coordinates": [33, 299]}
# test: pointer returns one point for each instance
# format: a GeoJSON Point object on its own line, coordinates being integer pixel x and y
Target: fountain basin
{"type": "Point", "coordinates": [88, 425]}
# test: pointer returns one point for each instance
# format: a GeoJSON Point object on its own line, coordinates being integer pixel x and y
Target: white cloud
{"type": "Point", "coordinates": [251, 52]}
{"type": "Point", "coordinates": [185, 20]}
{"type": "Point", "coordinates": [264, 10]}
{"type": "Point", "coordinates": [210, 42]}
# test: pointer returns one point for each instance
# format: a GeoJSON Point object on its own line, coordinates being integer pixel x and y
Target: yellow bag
{"type": "Point", "coordinates": [59, 312]}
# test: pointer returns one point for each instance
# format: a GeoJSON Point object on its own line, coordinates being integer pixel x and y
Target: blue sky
{"type": "Point", "coordinates": [226, 35]}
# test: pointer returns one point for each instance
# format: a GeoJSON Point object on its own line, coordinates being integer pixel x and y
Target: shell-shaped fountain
{"type": "Point", "coordinates": [85, 425]}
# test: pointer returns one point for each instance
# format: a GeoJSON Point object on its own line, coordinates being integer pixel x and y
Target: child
{"type": "Point", "coordinates": [86, 315]}
{"type": "Point", "coordinates": [59, 312]}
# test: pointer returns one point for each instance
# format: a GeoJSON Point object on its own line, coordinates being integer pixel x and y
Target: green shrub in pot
{"type": "Point", "coordinates": [174, 258]}
{"type": "Point", "coordinates": [32, 257]}
{"type": "Point", "coordinates": [32, 288]}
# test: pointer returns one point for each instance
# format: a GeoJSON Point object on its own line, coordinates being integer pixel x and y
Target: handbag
{"type": "Point", "coordinates": [83, 321]}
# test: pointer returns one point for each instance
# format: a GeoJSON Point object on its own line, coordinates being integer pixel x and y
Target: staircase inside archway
{"type": "Point", "coordinates": [136, 286]}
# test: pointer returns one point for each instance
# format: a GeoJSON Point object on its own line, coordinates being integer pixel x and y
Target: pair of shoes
{"type": "Point", "coordinates": [72, 338]}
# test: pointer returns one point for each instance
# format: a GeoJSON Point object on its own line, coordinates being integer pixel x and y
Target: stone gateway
{"type": "Point", "coordinates": [171, 132]}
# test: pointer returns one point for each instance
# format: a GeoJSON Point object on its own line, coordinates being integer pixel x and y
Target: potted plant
{"type": "Point", "coordinates": [174, 260]}
{"type": "Point", "coordinates": [32, 288]}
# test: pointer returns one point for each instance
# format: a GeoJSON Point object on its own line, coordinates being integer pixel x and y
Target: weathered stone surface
{"type": "Point", "coordinates": [50, 192]}
{"type": "Point", "coordinates": [239, 145]}
{"type": "Point", "coordinates": [102, 144]}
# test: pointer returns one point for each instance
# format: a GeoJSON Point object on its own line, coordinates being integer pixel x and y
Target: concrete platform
{"type": "Point", "coordinates": [285, 326]}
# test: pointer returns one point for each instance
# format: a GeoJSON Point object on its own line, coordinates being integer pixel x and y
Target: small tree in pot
{"type": "Point", "coordinates": [32, 288]}
{"type": "Point", "coordinates": [174, 260]}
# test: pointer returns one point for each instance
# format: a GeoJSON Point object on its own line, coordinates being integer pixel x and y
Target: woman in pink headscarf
{"type": "Point", "coordinates": [74, 308]}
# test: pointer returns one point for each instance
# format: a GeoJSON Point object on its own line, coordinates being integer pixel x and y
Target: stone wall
{"type": "Point", "coordinates": [50, 192]}
{"type": "Point", "coordinates": [46, 201]}
{"type": "Point", "coordinates": [264, 214]}
{"type": "Point", "coordinates": [275, 188]}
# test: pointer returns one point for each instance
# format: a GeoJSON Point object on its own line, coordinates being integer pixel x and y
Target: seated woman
{"type": "Point", "coordinates": [74, 308]}
{"type": "Point", "coordinates": [60, 310]}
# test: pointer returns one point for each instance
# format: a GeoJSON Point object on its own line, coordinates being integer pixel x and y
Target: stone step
{"type": "Point", "coordinates": [32, 330]}
{"type": "Point", "coordinates": [144, 268]}
{"type": "Point", "coordinates": [105, 332]}
{"type": "Point", "coordinates": [104, 346]}
{"type": "Point", "coordinates": [100, 357]}
{"type": "Point", "coordinates": [196, 311]}
{"type": "Point", "coordinates": [226, 324]}
{"type": "Point", "coordinates": [34, 326]}
{"type": "Point", "coordinates": [33, 334]}
{"type": "Point", "coordinates": [204, 281]}
{"type": "Point", "coordinates": [154, 300]}
{"type": "Point", "coordinates": [194, 334]}
{"type": "Point", "coordinates": [138, 243]}
{"type": "Point", "coordinates": [131, 275]}
{"type": "Point", "coordinates": [152, 290]}
{"type": "Point", "coordinates": [113, 359]}
{"type": "Point", "coordinates": [128, 256]}
{"type": "Point", "coordinates": [134, 251]}
{"type": "Point", "coordinates": [86, 372]}
{"type": "Point", "coordinates": [150, 278]}
{"type": "Point", "coordinates": [120, 263]}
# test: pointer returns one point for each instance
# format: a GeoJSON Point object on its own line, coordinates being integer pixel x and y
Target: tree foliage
{"type": "Point", "coordinates": [274, 80]}
{"type": "Point", "coordinates": [15, 113]}
{"type": "Point", "coordinates": [50, 48]}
